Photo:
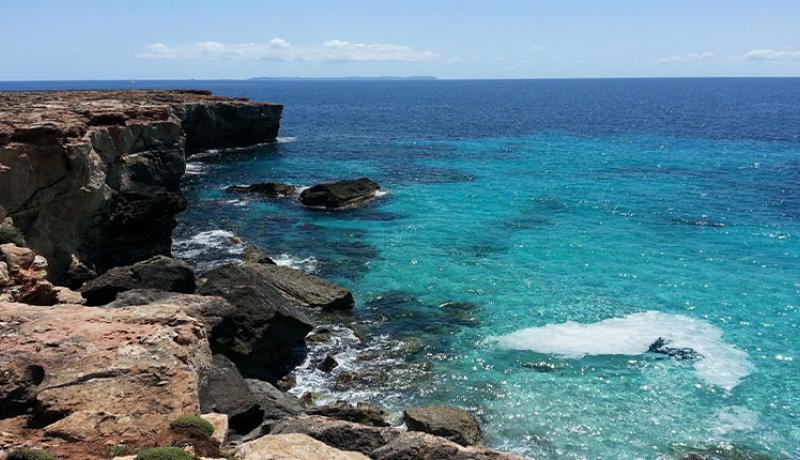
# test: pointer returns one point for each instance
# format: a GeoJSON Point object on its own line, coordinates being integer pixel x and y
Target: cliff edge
{"type": "Point", "coordinates": [92, 178]}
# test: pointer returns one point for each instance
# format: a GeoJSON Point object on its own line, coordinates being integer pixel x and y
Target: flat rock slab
{"type": "Point", "coordinates": [340, 194]}
{"type": "Point", "coordinates": [292, 447]}
{"type": "Point", "coordinates": [454, 424]}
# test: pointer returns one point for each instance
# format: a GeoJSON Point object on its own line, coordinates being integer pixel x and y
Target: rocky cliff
{"type": "Point", "coordinates": [91, 178]}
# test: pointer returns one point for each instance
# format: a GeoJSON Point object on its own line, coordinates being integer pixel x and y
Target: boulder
{"type": "Point", "coordinates": [254, 255]}
{"type": "Point", "coordinates": [292, 447]}
{"type": "Point", "coordinates": [265, 335]}
{"type": "Point", "coordinates": [363, 413]}
{"type": "Point", "coordinates": [680, 354]}
{"type": "Point", "coordinates": [328, 364]}
{"type": "Point", "coordinates": [209, 310]}
{"type": "Point", "coordinates": [275, 403]}
{"type": "Point", "coordinates": [23, 277]}
{"type": "Point", "coordinates": [301, 289]}
{"type": "Point", "coordinates": [265, 189]}
{"type": "Point", "coordinates": [220, 424]}
{"type": "Point", "coordinates": [224, 391]}
{"type": "Point", "coordinates": [159, 272]}
{"type": "Point", "coordinates": [456, 425]}
{"type": "Point", "coordinates": [340, 194]}
{"type": "Point", "coordinates": [422, 446]}
{"type": "Point", "coordinates": [93, 376]}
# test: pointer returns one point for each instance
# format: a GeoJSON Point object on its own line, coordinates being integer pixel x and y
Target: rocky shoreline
{"type": "Point", "coordinates": [108, 346]}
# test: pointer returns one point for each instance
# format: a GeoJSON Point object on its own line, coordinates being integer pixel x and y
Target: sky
{"type": "Point", "coordinates": [183, 39]}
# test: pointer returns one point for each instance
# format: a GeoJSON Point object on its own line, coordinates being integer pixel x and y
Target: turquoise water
{"type": "Point", "coordinates": [536, 238]}
{"type": "Point", "coordinates": [539, 230]}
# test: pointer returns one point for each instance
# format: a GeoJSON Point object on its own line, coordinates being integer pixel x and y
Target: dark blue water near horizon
{"type": "Point", "coordinates": [536, 237]}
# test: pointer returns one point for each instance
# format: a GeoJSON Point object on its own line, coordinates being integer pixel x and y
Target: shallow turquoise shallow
{"type": "Point", "coordinates": [543, 229]}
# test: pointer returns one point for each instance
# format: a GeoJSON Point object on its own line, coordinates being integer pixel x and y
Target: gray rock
{"type": "Point", "coordinates": [339, 194]}
{"type": "Point", "coordinates": [301, 289]}
{"type": "Point", "coordinates": [265, 189]}
{"type": "Point", "coordinates": [162, 273]}
{"type": "Point", "coordinates": [328, 364]}
{"type": "Point", "coordinates": [254, 255]}
{"type": "Point", "coordinates": [265, 334]}
{"type": "Point", "coordinates": [454, 424]}
{"type": "Point", "coordinates": [363, 413]}
{"type": "Point", "coordinates": [275, 403]}
{"type": "Point", "coordinates": [224, 391]}
{"type": "Point", "coordinates": [337, 433]}
{"type": "Point", "coordinates": [421, 446]}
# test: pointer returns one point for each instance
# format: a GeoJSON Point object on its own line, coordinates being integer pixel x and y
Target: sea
{"type": "Point", "coordinates": [534, 239]}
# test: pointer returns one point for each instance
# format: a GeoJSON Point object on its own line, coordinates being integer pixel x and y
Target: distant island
{"type": "Point", "coordinates": [382, 78]}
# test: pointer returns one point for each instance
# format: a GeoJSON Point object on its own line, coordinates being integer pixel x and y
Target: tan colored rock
{"type": "Point", "coordinates": [292, 447]}
{"type": "Point", "coordinates": [99, 376]}
{"type": "Point", "coordinates": [23, 277]}
{"type": "Point", "coordinates": [220, 424]}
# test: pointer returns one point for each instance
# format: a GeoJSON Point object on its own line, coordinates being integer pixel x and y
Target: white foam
{"type": "Point", "coordinates": [285, 139]}
{"type": "Point", "coordinates": [722, 364]}
{"type": "Point", "coordinates": [208, 249]}
{"type": "Point", "coordinates": [308, 264]}
{"type": "Point", "coordinates": [735, 418]}
{"type": "Point", "coordinates": [194, 168]}
{"type": "Point", "coordinates": [381, 193]}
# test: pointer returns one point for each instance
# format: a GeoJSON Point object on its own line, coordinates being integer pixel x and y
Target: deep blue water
{"type": "Point", "coordinates": [537, 236]}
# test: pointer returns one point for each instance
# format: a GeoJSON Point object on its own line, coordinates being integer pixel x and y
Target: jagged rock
{"type": "Point", "coordinates": [275, 403]}
{"type": "Point", "coordinates": [305, 290]}
{"type": "Point", "coordinates": [210, 310]}
{"type": "Point", "coordinates": [422, 446]}
{"type": "Point", "coordinates": [456, 425]}
{"type": "Point", "coordinates": [94, 376]}
{"type": "Point", "coordinates": [220, 424]}
{"type": "Point", "coordinates": [292, 447]}
{"type": "Point", "coordinates": [159, 272]}
{"type": "Point", "coordinates": [328, 364]}
{"type": "Point", "coordinates": [254, 255]}
{"type": "Point", "coordinates": [265, 189]}
{"type": "Point", "coordinates": [23, 277]}
{"type": "Point", "coordinates": [660, 347]}
{"type": "Point", "coordinates": [223, 390]}
{"type": "Point", "coordinates": [363, 413]}
{"type": "Point", "coordinates": [96, 174]}
{"type": "Point", "coordinates": [78, 273]}
{"type": "Point", "coordinates": [265, 332]}
{"type": "Point", "coordinates": [339, 194]}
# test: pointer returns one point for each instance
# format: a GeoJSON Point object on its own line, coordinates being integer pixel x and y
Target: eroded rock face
{"type": "Point", "coordinates": [160, 272]}
{"type": "Point", "coordinates": [340, 194]}
{"type": "Point", "coordinates": [95, 175]}
{"type": "Point", "coordinates": [23, 277]}
{"type": "Point", "coordinates": [292, 447]}
{"type": "Point", "coordinates": [93, 376]}
{"type": "Point", "coordinates": [456, 425]}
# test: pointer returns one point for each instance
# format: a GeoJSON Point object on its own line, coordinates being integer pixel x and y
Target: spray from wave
{"type": "Point", "coordinates": [721, 364]}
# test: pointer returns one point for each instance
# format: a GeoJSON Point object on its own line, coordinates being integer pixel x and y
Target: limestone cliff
{"type": "Point", "coordinates": [92, 178]}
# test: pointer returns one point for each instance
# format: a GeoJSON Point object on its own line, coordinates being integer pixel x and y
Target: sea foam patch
{"type": "Point", "coordinates": [721, 364]}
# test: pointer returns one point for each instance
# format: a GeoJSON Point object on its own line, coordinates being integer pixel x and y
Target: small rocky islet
{"type": "Point", "coordinates": [111, 348]}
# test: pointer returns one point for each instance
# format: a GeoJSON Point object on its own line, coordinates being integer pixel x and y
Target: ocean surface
{"type": "Point", "coordinates": [536, 237]}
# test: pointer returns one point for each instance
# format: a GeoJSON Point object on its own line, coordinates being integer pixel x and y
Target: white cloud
{"type": "Point", "coordinates": [771, 55]}
{"type": "Point", "coordinates": [279, 49]}
{"type": "Point", "coordinates": [692, 58]}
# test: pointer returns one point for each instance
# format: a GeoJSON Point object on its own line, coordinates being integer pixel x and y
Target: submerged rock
{"type": "Point", "coordinates": [454, 424]}
{"type": "Point", "coordinates": [265, 334]}
{"type": "Point", "coordinates": [339, 194]}
{"type": "Point", "coordinates": [265, 189]}
{"type": "Point", "coordinates": [159, 272]}
{"type": "Point", "coordinates": [294, 447]}
{"type": "Point", "coordinates": [660, 347]}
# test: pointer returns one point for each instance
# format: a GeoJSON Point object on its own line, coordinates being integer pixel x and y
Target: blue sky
{"type": "Point", "coordinates": [88, 39]}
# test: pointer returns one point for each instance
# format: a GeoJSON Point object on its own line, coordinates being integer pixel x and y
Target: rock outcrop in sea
{"type": "Point", "coordinates": [145, 354]}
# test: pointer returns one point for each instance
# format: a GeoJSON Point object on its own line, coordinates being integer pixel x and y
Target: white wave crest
{"type": "Point", "coordinates": [285, 139]}
{"type": "Point", "coordinates": [308, 264]}
{"type": "Point", "coordinates": [721, 364]}
{"type": "Point", "coordinates": [209, 249]}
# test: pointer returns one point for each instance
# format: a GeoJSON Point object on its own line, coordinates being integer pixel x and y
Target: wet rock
{"type": "Point", "coordinates": [275, 403]}
{"type": "Point", "coordinates": [328, 364]}
{"type": "Point", "coordinates": [265, 189]}
{"type": "Point", "coordinates": [94, 376]}
{"type": "Point", "coordinates": [456, 425]}
{"type": "Point", "coordinates": [363, 413]}
{"type": "Point", "coordinates": [254, 255]}
{"type": "Point", "coordinates": [540, 366]}
{"type": "Point", "coordinates": [224, 391]}
{"type": "Point", "coordinates": [209, 310]}
{"type": "Point", "coordinates": [340, 194]}
{"type": "Point", "coordinates": [265, 334]}
{"type": "Point", "coordinates": [294, 447]}
{"type": "Point", "coordinates": [159, 272]}
{"type": "Point", "coordinates": [660, 347]}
